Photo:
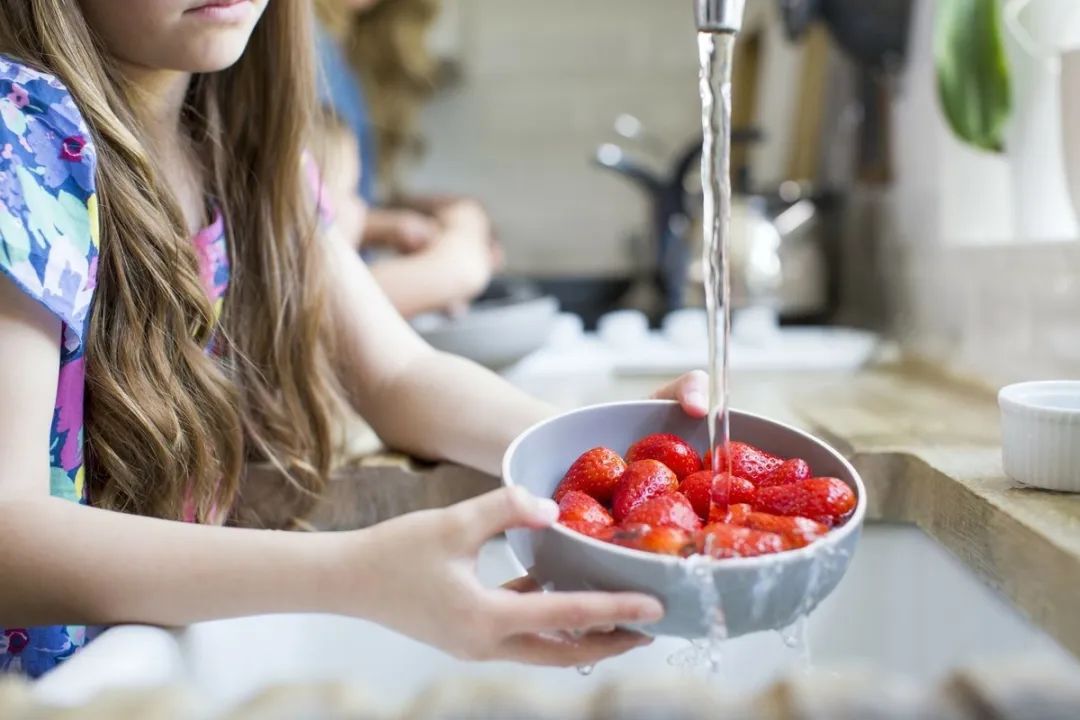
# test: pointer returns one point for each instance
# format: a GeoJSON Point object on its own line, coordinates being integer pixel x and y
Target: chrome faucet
{"type": "Point", "coordinates": [672, 208]}
{"type": "Point", "coordinates": [719, 16]}
{"type": "Point", "coordinates": [667, 194]}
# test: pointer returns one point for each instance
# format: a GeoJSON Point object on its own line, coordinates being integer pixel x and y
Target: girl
{"type": "Point", "coordinates": [169, 313]}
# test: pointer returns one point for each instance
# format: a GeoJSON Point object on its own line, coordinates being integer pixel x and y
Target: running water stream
{"type": "Point", "coordinates": [715, 51]}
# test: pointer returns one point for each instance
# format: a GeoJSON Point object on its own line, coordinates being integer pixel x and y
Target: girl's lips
{"type": "Point", "coordinates": [222, 10]}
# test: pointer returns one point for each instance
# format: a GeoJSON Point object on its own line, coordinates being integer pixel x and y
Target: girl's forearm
{"type": "Point", "coordinates": [70, 564]}
{"type": "Point", "coordinates": [418, 400]}
{"type": "Point", "coordinates": [442, 407]}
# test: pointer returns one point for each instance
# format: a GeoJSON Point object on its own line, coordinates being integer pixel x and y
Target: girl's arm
{"type": "Point", "coordinates": [63, 563]}
{"type": "Point", "coordinates": [420, 401]}
{"type": "Point", "coordinates": [424, 402]}
{"type": "Point", "coordinates": [66, 563]}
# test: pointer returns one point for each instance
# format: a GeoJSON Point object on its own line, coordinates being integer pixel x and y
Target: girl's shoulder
{"type": "Point", "coordinates": [48, 206]}
{"type": "Point", "coordinates": [39, 113]}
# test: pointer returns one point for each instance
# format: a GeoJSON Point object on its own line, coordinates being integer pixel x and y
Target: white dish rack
{"type": "Point", "coordinates": [624, 345]}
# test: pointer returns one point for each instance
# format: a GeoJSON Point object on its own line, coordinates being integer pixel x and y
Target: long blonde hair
{"type": "Point", "coordinates": [166, 422]}
{"type": "Point", "coordinates": [387, 47]}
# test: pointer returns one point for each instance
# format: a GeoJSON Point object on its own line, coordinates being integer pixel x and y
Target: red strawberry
{"type": "Point", "coordinates": [735, 515]}
{"type": "Point", "coordinates": [642, 481]}
{"type": "Point", "coordinates": [791, 471]}
{"type": "Point", "coordinates": [629, 535]}
{"type": "Point", "coordinates": [576, 506]}
{"type": "Point", "coordinates": [697, 487]}
{"type": "Point", "coordinates": [595, 473]}
{"type": "Point", "coordinates": [729, 489]}
{"type": "Point", "coordinates": [671, 510]}
{"type": "Point", "coordinates": [593, 530]}
{"type": "Point", "coordinates": [729, 541]}
{"type": "Point", "coordinates": [672, 450]}
{"type": "Point", "coordinates": [748, 461]}
{"type": "Point", "coordinates": [815, 498]}
{"type": "Point", "coordinates": [797, 531]}
{"type": "Point", "coordinates": [704, 488]}
{"type": "Point", "coordinates": [667, 541]}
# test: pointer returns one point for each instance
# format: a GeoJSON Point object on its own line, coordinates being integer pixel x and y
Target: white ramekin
{"type": "Point", "coordinates": [1040, 433]}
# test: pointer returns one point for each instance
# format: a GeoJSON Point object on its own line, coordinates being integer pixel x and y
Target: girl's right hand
{"type": "Point", "coordinates": [417, 574]}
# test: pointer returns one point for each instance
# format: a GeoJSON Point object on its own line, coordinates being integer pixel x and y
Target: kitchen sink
{"type": "Point", "coordinates": [905, 606]}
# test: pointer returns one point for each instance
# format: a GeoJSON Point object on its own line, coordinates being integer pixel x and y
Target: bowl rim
{"type": "Point", "coordinates": [834, 537]}
{"type": "Point", "coordinates": [1019, 397]}
{"type": "Point", "coordinates": [476, 319]}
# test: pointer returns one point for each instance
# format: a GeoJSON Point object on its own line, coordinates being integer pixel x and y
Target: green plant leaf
{"type": "Point", "coordinates": [972, 71]}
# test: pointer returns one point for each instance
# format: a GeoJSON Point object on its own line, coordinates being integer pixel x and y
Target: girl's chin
{"type": "Point", "coordinates": [212, 57]}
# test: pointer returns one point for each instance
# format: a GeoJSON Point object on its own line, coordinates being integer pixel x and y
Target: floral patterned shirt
{"type": "Point", "coordinates": [49, 249]}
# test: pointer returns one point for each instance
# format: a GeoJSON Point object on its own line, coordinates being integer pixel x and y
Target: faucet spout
{"type": "Point", "coordinates": [719, 16]}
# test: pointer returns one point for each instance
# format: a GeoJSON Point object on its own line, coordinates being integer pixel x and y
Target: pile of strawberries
{"type": "Point", "coordinates": [663, 499]}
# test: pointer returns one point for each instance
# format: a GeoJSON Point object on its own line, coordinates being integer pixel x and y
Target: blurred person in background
{"type": "Point", "coordinates": [428, 253]}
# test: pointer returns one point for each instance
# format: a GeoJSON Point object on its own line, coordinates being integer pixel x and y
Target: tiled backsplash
{"type": "Point", "coordinates": [998, 313]}
{"type": "Point", "coordinates": [543, 84]}
{"type": "Point", "coordinates": [962, 290]}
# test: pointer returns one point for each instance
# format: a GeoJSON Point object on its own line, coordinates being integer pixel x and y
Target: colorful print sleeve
{"type": "Point", "coordinates": [48, 209]}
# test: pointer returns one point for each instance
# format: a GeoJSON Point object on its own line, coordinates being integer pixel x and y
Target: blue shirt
{"type": "Point", "coordinates": [340, 91]}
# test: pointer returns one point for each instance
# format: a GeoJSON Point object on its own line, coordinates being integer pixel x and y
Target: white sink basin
{"type": "Point", "coordinates": [904, 606]}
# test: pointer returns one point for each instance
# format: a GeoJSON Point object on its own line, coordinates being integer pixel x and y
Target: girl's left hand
{"type": "Point", "coordinates": [690, 390]}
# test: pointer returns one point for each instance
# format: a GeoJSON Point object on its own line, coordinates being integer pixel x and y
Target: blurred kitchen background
{"type": "Point", "coordinates": [857, 205]}
{"type": "Point", "coordinates": [867, 227]}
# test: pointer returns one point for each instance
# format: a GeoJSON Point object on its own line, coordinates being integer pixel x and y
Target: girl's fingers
{"type": "Point", "coordinates": [482, 518]}
{"type": "Point", "coordinates": [552, 612]}
{"type": "Point", "coordinates": [690, 390]}
{"type": "Point", "coordinates": [563, 652]}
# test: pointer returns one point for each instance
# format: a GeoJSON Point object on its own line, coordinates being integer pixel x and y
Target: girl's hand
{"type": "Point", "coordinates": [690, 390]}
{"type": "Point", "coordinates": [403, 231]}
{"type": "Point", "coordinates": [417, 574]}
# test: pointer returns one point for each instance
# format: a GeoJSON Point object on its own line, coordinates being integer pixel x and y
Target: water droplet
{"type": "Point", "coordinates": [585, 669]}
{"type": "Point", "coordinates": [795, 636]}
{"type": "Point", "coordinates": [791, 634]}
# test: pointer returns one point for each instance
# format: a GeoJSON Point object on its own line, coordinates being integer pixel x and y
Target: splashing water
{"type": "Point", "coordinates": [766, 581]}
{"type": "Point", "coordinates": [705, 653]}
{"type": "Point", "coordinates": [796, 636]}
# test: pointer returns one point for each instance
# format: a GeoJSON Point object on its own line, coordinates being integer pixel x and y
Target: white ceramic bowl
{"type": "Point", "coordinates": [753, 594]}
{"type": "Point", "coordinates": [1040, 432]}
{"type": "Point", "coordinates": [495, 334]}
